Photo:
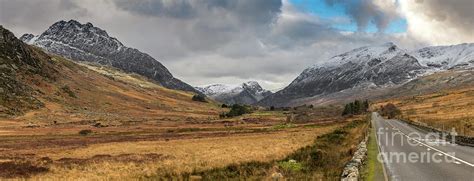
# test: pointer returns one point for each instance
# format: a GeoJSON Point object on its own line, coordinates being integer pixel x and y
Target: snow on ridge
{"type": "Point", "coordinates": [445, 57]}
{"type": "Point", "coordinates": [229, 89]}
{"type": "Point", "coordinates": [61, 31]}
{"type": "Point", "coordinates": [361, 55]}
{"type": "Point", "coordinates": [435, 57]}
{"type": "Point", "coordinates": [217, 89]}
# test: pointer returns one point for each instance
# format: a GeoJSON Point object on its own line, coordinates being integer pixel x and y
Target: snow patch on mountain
{"type": "Point", "coordinates": [446, 57]}
{"type": "Point", "coordinates": [85, 42]}
{"type": "Point", "coordinates": [245, 93]}
{"type": "Point", "coordinates": [29, 38]}
{"type": "Point", "coordinates": [372, 68]}
{"type": "Point", "coordinates": [362, 55]}
{"type": "Point", "coordinates": [219, 89]}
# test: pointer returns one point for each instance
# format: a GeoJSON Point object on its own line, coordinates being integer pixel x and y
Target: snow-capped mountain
{"type": "Point", "coordinates": [218, 89]}
{"type": "Point", "coordinates": [85, 42]}
{"type": "Point", "coordinates": [246, 93]}
{"type": "Point", "coordinates": [446, 57]}
{"type": "Point", "coordinates": [370, 68]}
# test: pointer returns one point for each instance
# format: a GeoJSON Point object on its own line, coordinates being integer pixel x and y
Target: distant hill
{"type": "Point", "coordinates": [245, 93]}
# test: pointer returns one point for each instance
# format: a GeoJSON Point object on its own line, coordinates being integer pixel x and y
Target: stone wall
{"type": "Point", "coordinates": [351, 171]}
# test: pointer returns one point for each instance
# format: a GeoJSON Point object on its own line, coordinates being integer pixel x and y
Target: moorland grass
{"type": "Point", "coordinates": [325, 158]}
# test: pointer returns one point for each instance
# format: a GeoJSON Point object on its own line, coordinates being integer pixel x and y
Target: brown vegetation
{"type": "Point", "coordinates": [322, 160]}
{"type": "Point", "coordinates": [147, 148]}
{"type": "Point", "coordinates": [444, 109]}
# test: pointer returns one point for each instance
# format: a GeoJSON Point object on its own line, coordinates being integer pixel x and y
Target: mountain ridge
{"type": "Point", "coordinates": [41, 87]}
{"type": "Point", "coordinates": [85, 42]}
{"type": "Point", "coordinates": [246, 93]}
{"type": "Point", "coordinates": [369, 67]}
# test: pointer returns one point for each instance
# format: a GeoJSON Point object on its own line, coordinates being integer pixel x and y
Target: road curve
{"type": "Point", "coordinates": [412, 154]}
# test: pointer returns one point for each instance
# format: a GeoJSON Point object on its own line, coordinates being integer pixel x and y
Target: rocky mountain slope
{"type": "Point", "coordinates": [20, 64]}
{"type": "Point", "coordinates": [367, 71]}
{"type": "Point", "coordinates": [246, 93]}
{"type": "Point", "coordinates": [85, 42]}
{"type": "Point", "coordinates": [51, 88]}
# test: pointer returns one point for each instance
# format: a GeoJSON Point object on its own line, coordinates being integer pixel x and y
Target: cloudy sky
{"type": "Point", "coordinates": [271, 41]}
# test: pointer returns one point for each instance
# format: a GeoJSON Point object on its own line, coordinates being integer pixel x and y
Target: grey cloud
{"type": "Point", "coordinates": [291, 32]}
{"type": "Point", "coordinates": [174, 8]}
{"type": "Point", "coordinates": [256, 11]}
{"type": "Point", "coordinates": [208, 25]}
{"type": "Point", "coordinates": [29, 16]}
{"type": "Point", "coordinates": [247, 11]}
{"type": "Point", "coordinates": [456, 13]}
{"type": "Point", "coordinates": [365, 11]}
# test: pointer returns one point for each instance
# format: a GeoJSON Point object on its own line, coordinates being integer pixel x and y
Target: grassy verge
{"type": "Point", "coordinates": [324, 159]}
{"type": "Point", "coordinates": [373, 169]}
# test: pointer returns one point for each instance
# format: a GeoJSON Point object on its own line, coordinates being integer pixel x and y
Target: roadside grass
{"type": "Point", "coordinates": [324, 159]}
{"type": "Point", "coordinates": [373, 169]}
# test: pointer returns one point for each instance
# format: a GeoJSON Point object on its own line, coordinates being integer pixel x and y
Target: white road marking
{"type": "Point", "coordinates": [458, 159]}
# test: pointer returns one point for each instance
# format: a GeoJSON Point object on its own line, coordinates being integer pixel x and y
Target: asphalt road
{"type": "Point", "coordinates": [413, 154]}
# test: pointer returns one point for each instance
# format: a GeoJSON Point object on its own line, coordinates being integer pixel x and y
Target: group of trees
{"type": "Point", "coordinates": [199, 98]}
{"type": "Point", "coordinates": [355, 108]}
{"type": "Point", "coordinates": [237, 110]}
{"type": "Point", "coordinates": [273, 108]}
{"type": "Point", "coordinates": [390, 110]}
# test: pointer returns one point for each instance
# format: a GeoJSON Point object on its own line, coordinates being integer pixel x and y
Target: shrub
{"type": "Point", "coordinates": [199, 98]}
{"type": "Point", "coordinates": [390, 110]}
{"type": "Point", "coordinates": [85, 132]}
{"type": "Point", "coordinates": [272, 108]}
{"type": "Point", "coordinates": [224, 106]}
{"type": "Point", "coordinates": [291, 166]}
{"type": "Point", "coordinates": [222, 115]}
{"type": "Point", "coordinates": [356, 108]}
{"type": "Point", "coordinates": [68, 91]}
{"type": "Point", "coordinates": [238, 110]}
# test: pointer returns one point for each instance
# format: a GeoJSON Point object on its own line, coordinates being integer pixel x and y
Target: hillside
{"type": "Point", "coordinates": [50, 88]}
{"type": "Point", "coordinates": [443, 100]}
{"type": "Point", "coordinates": [20, 65]}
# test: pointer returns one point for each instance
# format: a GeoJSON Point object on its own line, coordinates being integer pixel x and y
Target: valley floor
{"type": "Point", "coordinates": [154, 148]}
